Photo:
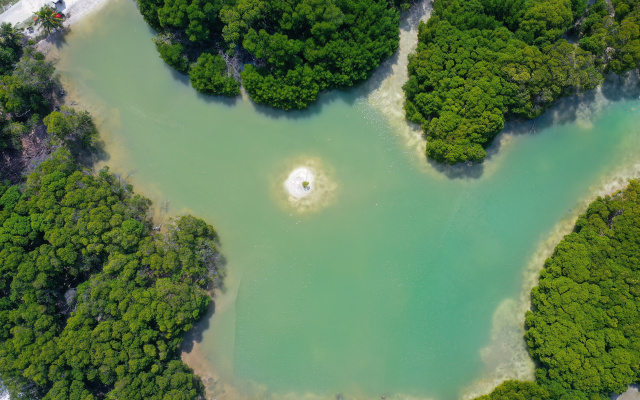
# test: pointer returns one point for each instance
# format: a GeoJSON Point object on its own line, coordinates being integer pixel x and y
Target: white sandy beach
{"type": "Point", "coordinates": [74, 10]}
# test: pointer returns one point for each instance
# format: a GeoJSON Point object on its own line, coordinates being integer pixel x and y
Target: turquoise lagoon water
{"type": "Point", "coordinates": [389, 283]}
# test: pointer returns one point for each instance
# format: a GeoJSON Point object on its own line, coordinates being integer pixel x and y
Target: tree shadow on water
{"type": "Point", "coordinates": [195, 335]}
{"type": "Point", "coordinates": [324, 98]}
{"type": "Point", "coordinates": [459, 171]}
{"type": "Point", "coordinates": [89, 157]}
{"type": "Point", "coordinates": [572, 109]}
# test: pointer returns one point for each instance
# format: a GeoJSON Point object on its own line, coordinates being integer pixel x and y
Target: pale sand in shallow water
{"type": "Point", "coordinates": [320, 191]}
{"type": "Point", "coordinates": [74, 10]}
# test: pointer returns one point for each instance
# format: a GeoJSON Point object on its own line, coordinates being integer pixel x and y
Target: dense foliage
{"type": "Point", "coordinates": [209, 76]}
{"type": "Point", "coordinates": [297, 48]}
{"type": "Point", "coordinates": [27, 93]}
{"type": "Point", "coordinates": [584, 327]}
{"type": "Point", "coordinates": [172, 53]}
{"type": "Point", "coordinates": [10, 48]}
{"type": "Point", "coordinates": [612, 32]}
{"type": "Point", "coordinates": [479, 62]}
{"type": "Point", "coordinates": [71, 128]}
{"type": "Point", "coordinates": [92, 304]}
{"type": "Point", "coordinates": [25, 86]}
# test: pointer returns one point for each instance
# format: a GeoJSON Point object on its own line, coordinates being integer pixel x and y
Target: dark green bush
{"type": "Point", "coordinates": [93, 304]}
{"type": "Point", "coordinates": [471, 72]}
{"type": "Point", "coordinates": [301, 47]}
{"type": "Point", "coordinates": [172, 54]}
{"type": "Point", "coordinates": [210, 76]}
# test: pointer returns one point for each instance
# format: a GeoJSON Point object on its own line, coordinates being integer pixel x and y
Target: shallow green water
{"type": "Point", "coordinates": [392, 286]}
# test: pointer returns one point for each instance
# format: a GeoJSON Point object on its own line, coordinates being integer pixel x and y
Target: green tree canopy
{"type": "Point", "coordinates": [26, 84]}
{"type": "Point", "coordinates": [92, 303]}
{"type": "Point", "coordinates": [10, 47]}
{"type": "Point", "coordinates": [481, 62]}
{"type": "Point", "coordinates": [71, 127]}
{"type": "Point", "coordinates": [612, 32]}
{"type": "Point", "coordinates": [295, 48]}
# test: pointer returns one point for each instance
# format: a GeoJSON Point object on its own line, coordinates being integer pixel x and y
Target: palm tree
{"type": "Point", "coordinates": [48, 18]}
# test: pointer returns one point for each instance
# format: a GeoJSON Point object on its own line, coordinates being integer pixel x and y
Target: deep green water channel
{"type": "Point", "coordinates": [391, 284]}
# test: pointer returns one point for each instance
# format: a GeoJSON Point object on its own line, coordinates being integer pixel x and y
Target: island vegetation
{"type": "Point", "coordinates": [482, 62]}
{"type": "Point", "coordinates": [94, 300]}
{"type": "Point", "coordinates": [26, 87]}
{"type": "Point", "coordinates": [583, 329]}
{"type": "Point", "coordinates": [29, 95]}
{"type": "Point", "coordinates": [93, 304]}
{"type": "Point", "coordinates": [288, 50]}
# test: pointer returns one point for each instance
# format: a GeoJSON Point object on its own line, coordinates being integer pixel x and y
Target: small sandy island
{"type": "Point", "coordinates": [300, 183]}
{"type": "Point", "coordinates": [306, 184]}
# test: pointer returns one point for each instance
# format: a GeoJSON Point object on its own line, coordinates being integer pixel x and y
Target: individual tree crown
{"type": "Point", "coordinates": [48, 18]}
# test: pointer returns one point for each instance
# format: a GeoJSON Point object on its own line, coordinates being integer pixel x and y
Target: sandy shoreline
{"type": "Point", "coordinates": [21, 13]}
{"type": "Point", "coordinates": [507, 355]}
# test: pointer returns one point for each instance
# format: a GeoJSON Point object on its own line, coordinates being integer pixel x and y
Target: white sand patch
{"type": "Point", "coordinates": [79, 9]}
{"type": "Point", "coordinates": [289, 189]}
{"type": "Point", "coordinates": [300, 183]}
